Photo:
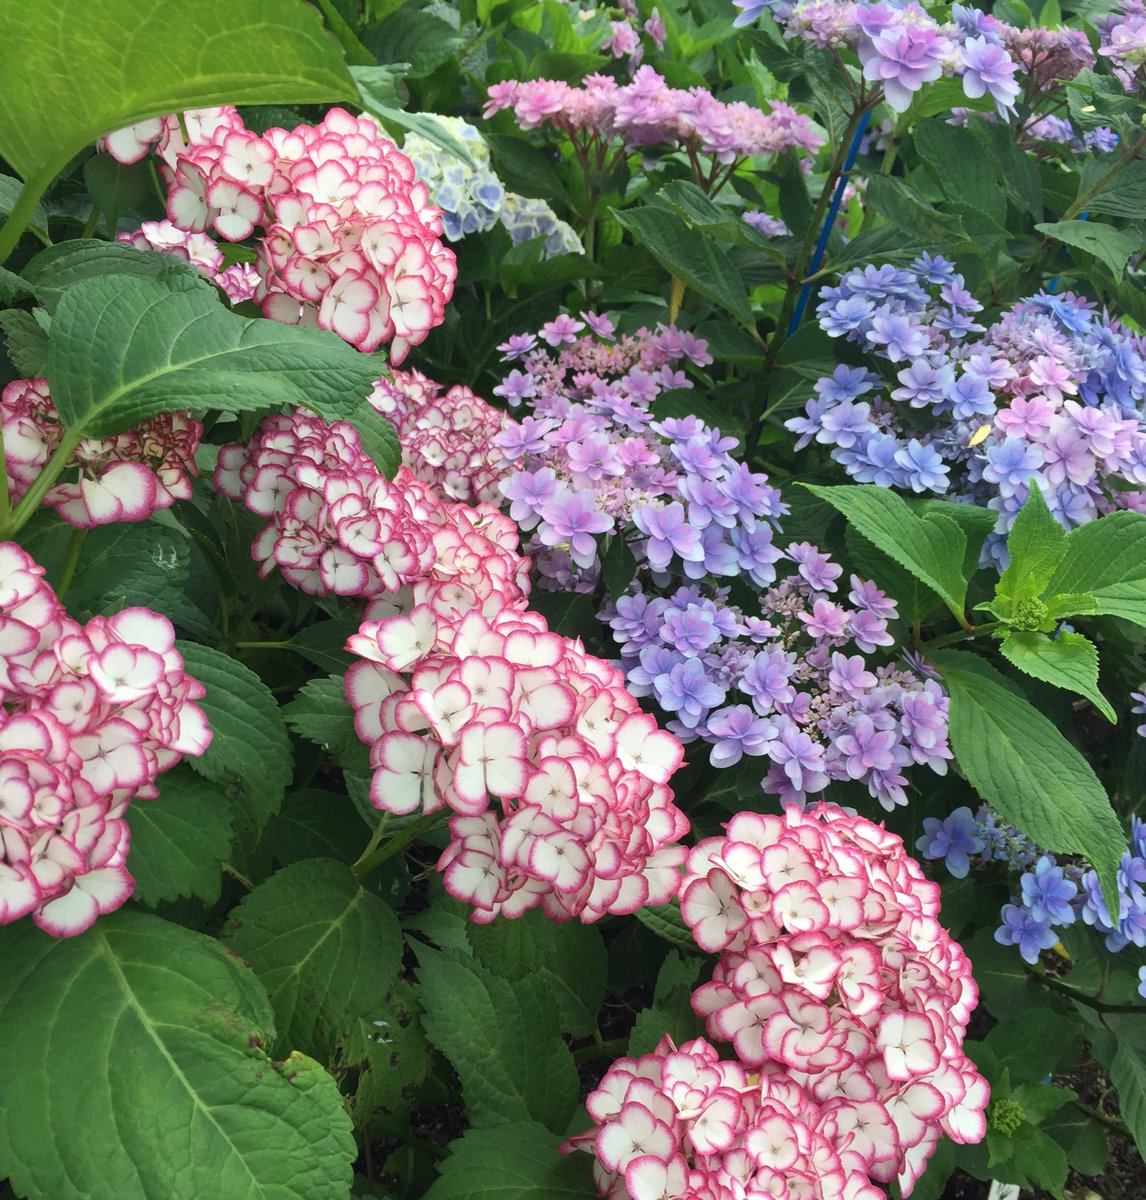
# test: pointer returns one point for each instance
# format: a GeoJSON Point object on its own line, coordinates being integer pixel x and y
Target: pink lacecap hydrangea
{"type": "Point", "coordinates": [89, 716]}
{"type": "Point", "coordinates": [125, 477]}
{"type": "Point", "coordinates": [348, 239]}
{"type": "Point", "coordinates": [834, 969]}
{"type": "Point", "coordinates": [447, 436]}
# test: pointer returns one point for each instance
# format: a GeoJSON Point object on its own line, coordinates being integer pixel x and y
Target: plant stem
{"type": "Point", "coordinates": [1102, 1118]}
{"type": "Point", "coordinates": [963, 635]}
{"type": "Point", "coordinates": [1056, 985]}
{"type": "Point", "coordinates": [605, 1049]}
{"type": "Point", "coordinates": [21, 213]}
{"type": "Point", "coordinates": [75, 545]}
{"type": "Point", "coordinates": [370, 857]}
{"type": "Point", "coordinates": [48, 475]}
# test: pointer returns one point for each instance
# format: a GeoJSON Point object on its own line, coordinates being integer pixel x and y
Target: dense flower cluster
{"type": "Point", "coordinates": [125, 477]}
{"type": "Point", "coordinates": [834, 968]}
{"type": "Point", "coordinates": [89, 716]}
{"type": "Point", "coordinates": [348, 238]}
{"type": "Point", "coordinates": [963, 833]}
{"type": "Point", "coordinates": [473, 199]}
{"type": "Point", "coordinates": [784, 687]}
{"type": "Point", "coordinates": [239, 281]}
{"type": "Point", "coordinates": [448, 437]}
{"type": "Point", "coordinates": [902, 47]}
{"type": "Point", "coordinates": [335, 524]}
{"type": "Point", "coordinates": [1052, 394]}
{"type": "Point", "coordinates": [647, 112]}
{"type": "Point", "coordinates": [682, 1124]}
{"type": "Point", "coordinates": [1122, 37]}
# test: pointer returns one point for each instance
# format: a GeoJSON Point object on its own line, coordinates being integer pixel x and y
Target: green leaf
{"type": "Point", "coordinates": [158, 1034]}
{"type": "Point", "coordinates": [1069, 661]}
{"type": "Point", "coordinates": [379, 439]}
{"type": "Point", "coordinates": [1106, 559]}
{"type": "Point", "coordinates": [314, 822]}
{"type": "Point", "coordinates": [324, 948]}
{"type": "Point", "coordinates": [249, 741]}
{"type": "Point", "coordinates": [415, 38]}
{"type": "Point", "coordinates": [377, 93]}
{"type": "Point", "coordinates": [693, 206]}
{"type": "Point", "coordinates": [961, 164]}
{"type": "Point", "coordinates": [26, 341]}
{"type": "Point", "coordinates": [179, 840]}
{"type": "Point", "coordinates": [696, 260]}
{"type": "Point", "coordinates": [121, 565]}
{"type": "Point", "coordinates": [117, 188]}
{"type": "Point", "coordinates": [503, 1039]}
{"type": "Point", "coordinates": [226, 52]}
{"type": "Point", "coordinates": [324, 644]}
{"type": "Point", "coordinates": [1124, 195]}
{"type": "Point", "coordinates": [618, 567]}
{"type": "Point", "coordinates": [392, 1055]}
{"type": "Point", "coordinates": [1036, 545]}
{"type": "Point", "coordinates": [512, 1162]}
{"type": "Point", "coordinates": [666, 922]}
{"type": "Point", "coordinates": [1108, 245]}
{"type": "Point", "coordinates": [931, 547]}
{"type": "Point", "coordinates": [1017, 760]}
{"type": "Point", "coordinates": [1083, 1139]}
{"type": "Point", "coordinates": [671, 1009]}
{"type": "Point", "coordinates": [321, 714]}
{"type": "Point", "coordinates": [915, 599]}
{"type": "Point", "coordinates": [909, 212]}
{"type": "Point", "coordinates": [1120, 1052]}
{"type": "Point", "coordinates": [178, 346]}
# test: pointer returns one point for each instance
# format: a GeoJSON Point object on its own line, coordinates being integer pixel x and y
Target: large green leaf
{"type": "Point", "coordinates": [141, 1071]}
{"type": "Point", "coordinates": [931, 546]}
{"type": "Point", "coordinates": [1106, 559]}
{"type": "Point", "coordinates": [179, 840]}
{"type": "Point", "coordinates": [1068, 661]}
{"type": "Point", "coordinates": [71, 71]}
{"type": "Point", "coordinates": [512, 1162]}
{"type": "Point", "coordinates": [1123, 195]}
{"type": "Point", "coordinates": [249, 742]}
{"type": "Point", "coordinates": [503, 1039]}
{"type": "Point", "coordinates": [326, 950]}
{"type": "Point", "coordinates": [123, 349]}
{"type": "Point", "coordinates": [1109, 245]}
{"type": "Point", "coordinates": [1017, 760]}
{"type": "Point", "coordinates": [693, 257]}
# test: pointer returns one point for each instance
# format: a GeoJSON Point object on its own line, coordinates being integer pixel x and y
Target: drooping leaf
{"type": "Point", "coordinates": [135, 67]}
{"type": "Point", "coordinates": [325, 949]}
{"type": "Point", "coordinates": [179, 840]}
{"type": "Point", "coordinates": [503, 1039]}
{"type": "Point", "coordinates": [1017, 760]}
{"type": "Point", "coordinates": [123, 349]}
{"type": "Point", "coordinates": [516, 1161]}
{"type": "Point", "coordinates": [931, 546]}
{"type": "Point", "coordinates": [379, 439]}
{"type": "Point", "coordinates": [392, 1055]}
{"type": "Point", "coordinates": [1068, 661]}
{"type": "Point", "coordinates": [1106, 559]}
{"type": "Point", "coordinates": [249, 743]}
{"type": "Point", "coordinates": [376, 92]}
{"type": "Point", "coordinates": [148, 1075]}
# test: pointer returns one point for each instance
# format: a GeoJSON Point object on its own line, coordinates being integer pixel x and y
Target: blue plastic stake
{"type": "Point", "coordinates": [829, 221]}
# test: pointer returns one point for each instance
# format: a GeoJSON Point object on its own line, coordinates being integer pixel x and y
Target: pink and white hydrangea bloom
{"type": "Point", "coordinates": [125, 477]}
{"type": "Point", "coordinates": [834, 969]}
{"type": "Point", "coordinates": [347, 237]}
{"type": "Point", "coordinates": [89, 716]}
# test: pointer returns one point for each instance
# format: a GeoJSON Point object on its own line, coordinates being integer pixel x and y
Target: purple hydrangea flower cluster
{"type": "Point", "coordinates": [1122, 37]}
{"type": "Point", "coordinates": [1051, 394]}
{"type": "Point", "coordinates": [594, 460]}
{"type": "Point", "coordinates": [786, 686]}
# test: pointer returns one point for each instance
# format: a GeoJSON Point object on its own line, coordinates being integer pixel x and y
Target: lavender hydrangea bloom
{"type": "Point", "coordinates": [736, 731]}
{"type": "Point", "coordinates": [1048, 893]}
{"type": "Point", "coordinates": [687, 690]}
{"type": "Point", "coordinates": [987, 67]}
{"type": "Point", "coordinates": [952, 839]}
{"type": "Point", "coordinates": [572, 517]}
{"type": "Point", "coordinates": [669, 533]}
{"type": "Point", "coordinates": [1021, 928]}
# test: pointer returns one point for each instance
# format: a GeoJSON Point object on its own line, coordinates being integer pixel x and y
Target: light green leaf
{"type": "Point", "coordinates": [325, 949]}
{"type": "Point", "coordinates": [179, 840]}
{"type": "Point", "coordinates": [1036, 545]}
{"type": "Point", "coordinates": [1109, 245]}
{"type": "Point", "coordinates": [695, 259]}
{"type": "Point", "coordinates": [379, 439]}
{"type": "Point", "coordinates": [377, 93]}
{"type": "Point", "coordinates": [1017, 760]}
{"type": "Point", "coordinates": [249, 742]}
{"type": "Point", "coordinates": [148, 1075]}
{"type": "Point", "coordinates": [512, 1162]}
{"type": "Point", "coordinates": [1069, 661]}
{"type": "Point", "coordinates": [503, 1039]}
{"type": "Point", "coordinates": [124, 349]}
{"type": "Point", "coordinates": [135, 67]}
{"type": "Point", "coordinates": [1106, 559]}
{"type": "Point", "coordinates": [931, 546]}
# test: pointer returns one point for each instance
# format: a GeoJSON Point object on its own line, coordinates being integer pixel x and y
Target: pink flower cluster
{"type": "Point", "coordinates": [447, 436]}
{"type": "Point", "coordinates": [348, 238]}
{"type": "Point", "coordinates": [555, 780]}
{"type": "Point", "coordinates": [834, 969]}
{"type": "Point", "coordinates": [125, 477]}
{"type": "Point", "coordinates": [89, 716]}
{"type": "Point", "coordinates": [334, 523]}
{"type": "Point", "coordinates": [239, 281]}
{"type": "Point", "coordinates": [647, 111]}
{"type": "Point", "coordinates": [685, 1125]}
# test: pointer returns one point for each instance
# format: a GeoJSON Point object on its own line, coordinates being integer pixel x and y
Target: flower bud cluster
{"type": "Point", "coordinates": [125, 477]}
{"type": "Point", "coordinates": [89, 716]}
{"type": "Point", "coordinates": [647, 112]}
{"type": "Point", "coordinates": [683, 1124]}
{"type": "Point", "coordinates": [448, 437]}
{"type": "Point", "coordinates": [1050, 395]}
{"type": "Point", "coordinates": [834, 969]}
{"type": "Point", "coordinates": [348, 239]}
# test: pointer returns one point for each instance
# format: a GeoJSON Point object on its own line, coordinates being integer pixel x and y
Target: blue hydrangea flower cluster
{"type": "Point", "coordinates": [1051, 394]}
{"type": "Point", "coordinates": [473, 199]}
{"type": "Point", "coordinates": [783, 686]}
